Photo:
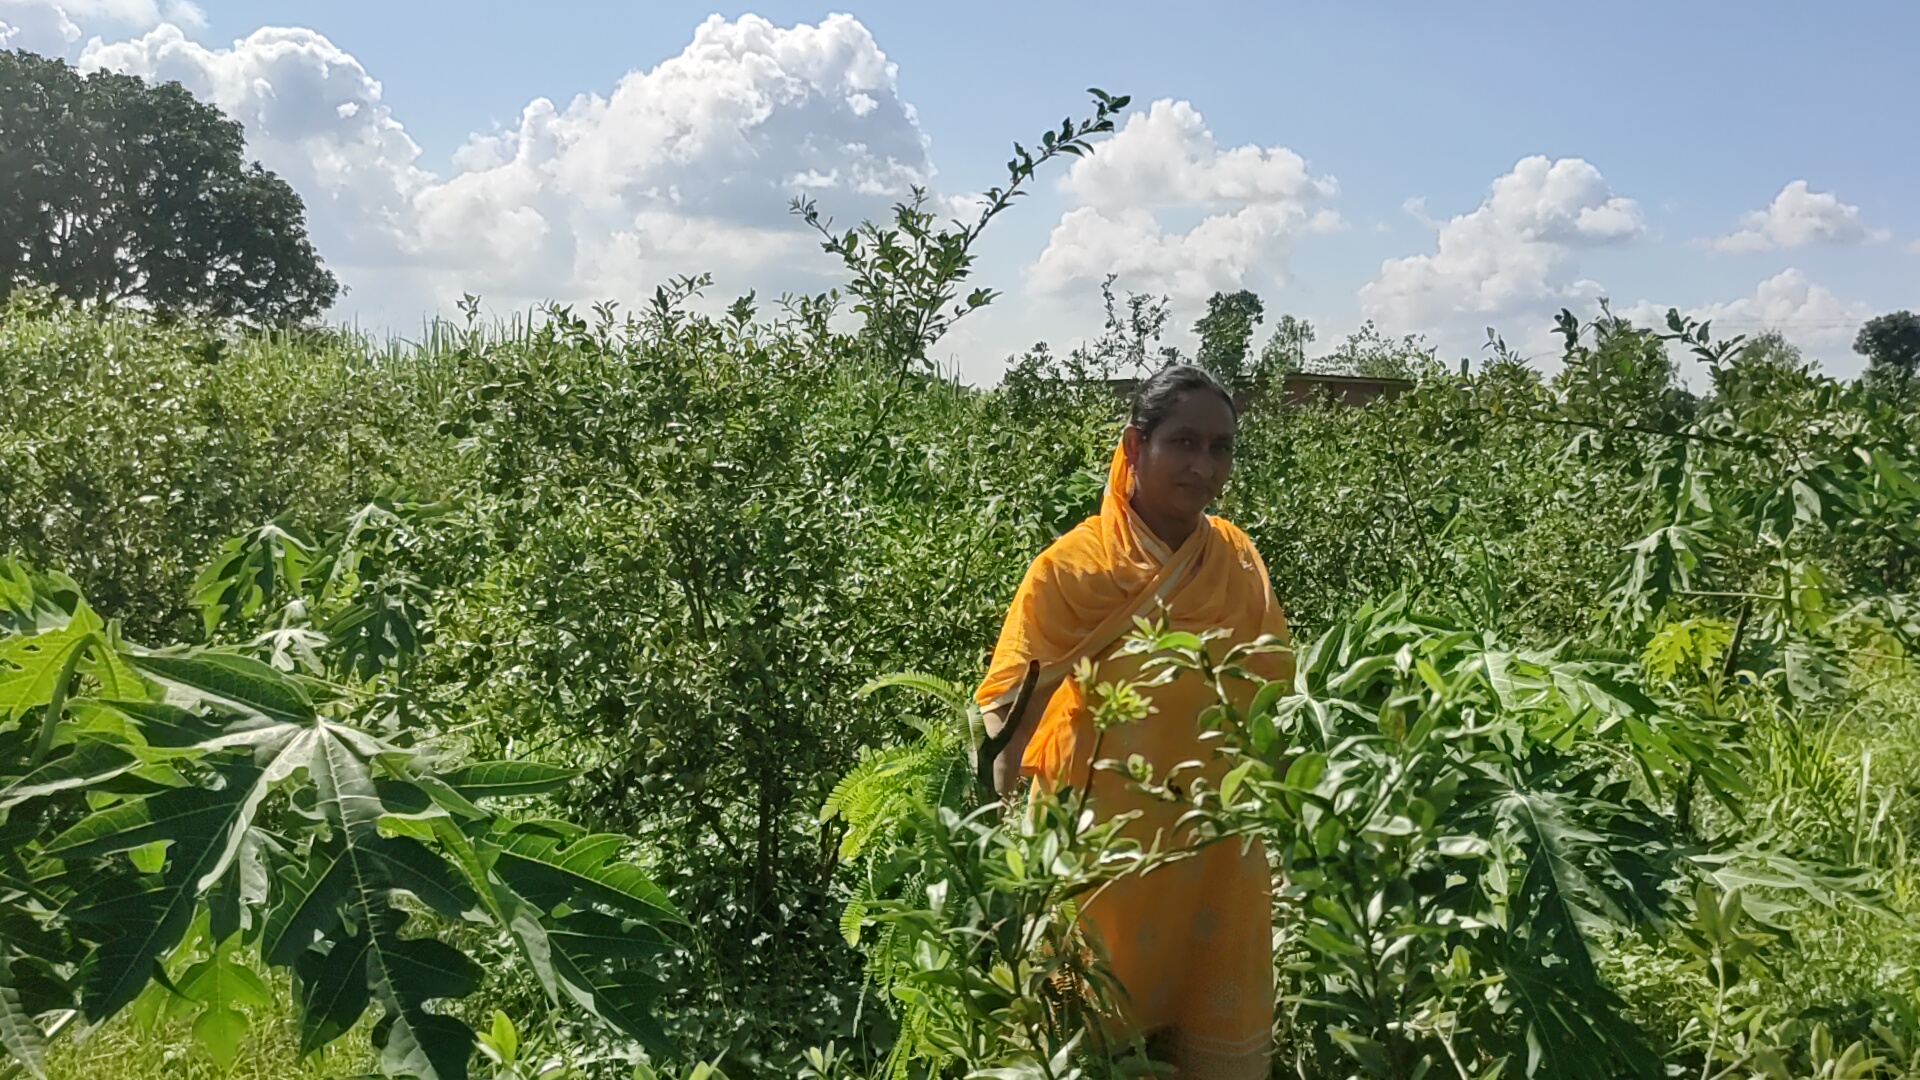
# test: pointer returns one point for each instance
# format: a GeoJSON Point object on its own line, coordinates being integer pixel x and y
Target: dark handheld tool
{"type": "Point", "coordinates": [992, 746]}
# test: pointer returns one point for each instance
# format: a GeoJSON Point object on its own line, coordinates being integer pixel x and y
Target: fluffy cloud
{"type": "Point", "coordinates": [1807, 314]}
{"type": "Point", "coordinates": [313, 114]}
{"type": "Point", "coordinates": [687, 166]}
{"type": "Point", "coordinates": [1515, 254]}
{"type": "Point", "coordinates": [53, 28]}
{"type": "Point", "coordinates": [1251, 201]}
{"type": "Point", "coordinates": [39, 27]}
{"type": "Point", "coordinates": [1798, 217]}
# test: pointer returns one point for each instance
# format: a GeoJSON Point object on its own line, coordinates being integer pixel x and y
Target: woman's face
{"type": "Point", "coordinates": [1180, 469]}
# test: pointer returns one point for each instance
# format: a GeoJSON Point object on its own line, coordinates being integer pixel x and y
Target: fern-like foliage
{"type": "Point", "coordinates": [879, 795]}
{"type": "Point", "coordinates": [879, 800]}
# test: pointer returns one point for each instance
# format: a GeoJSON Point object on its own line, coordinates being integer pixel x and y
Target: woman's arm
{"type": "Point", "coordinates": [1006, 764]}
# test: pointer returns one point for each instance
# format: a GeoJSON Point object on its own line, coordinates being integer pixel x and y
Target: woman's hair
{"type": "Point", "coordinates": [1161, 394]}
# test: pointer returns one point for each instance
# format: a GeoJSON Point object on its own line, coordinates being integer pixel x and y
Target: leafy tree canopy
{"type": "Point", "coordinates": [1771, 350]}
{"type": "Point", "coordinates": [1891, 344]}
{"type": "Point", "coordinates": [1371, 353]}
{"type": "Point", "coordinates": [123, 191]}
{"type": "Point", "coordinates": [1226, 331]}
{"type": "Point", "coordinates": [1285, 351]}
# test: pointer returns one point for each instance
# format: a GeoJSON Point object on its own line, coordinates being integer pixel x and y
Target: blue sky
{"type": "Point", "coordinates": [1752, 161]}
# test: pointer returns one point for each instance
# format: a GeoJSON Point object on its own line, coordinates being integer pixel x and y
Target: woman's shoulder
{"type": "Point", "coordinates": [1232, 534]}
{"type": "Point", "coordinates": [1075, 544]}
{"type": "Point", "coordinates": [1239, 542]}
{"type": "Point", "coordinates": [1071, 555]}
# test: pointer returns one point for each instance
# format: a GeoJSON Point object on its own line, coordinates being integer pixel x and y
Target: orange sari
{"type": "Point", "coordinates": [1191, 942]}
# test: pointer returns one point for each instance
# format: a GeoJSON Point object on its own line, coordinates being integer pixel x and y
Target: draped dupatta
{"type": "Point", "coordinates": [1081, 596]}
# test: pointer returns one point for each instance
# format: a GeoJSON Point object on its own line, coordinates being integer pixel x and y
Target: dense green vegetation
{"type": "Point", "coordinates": [352, 694]}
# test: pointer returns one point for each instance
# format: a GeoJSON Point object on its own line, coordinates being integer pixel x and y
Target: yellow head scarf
{"type": "Point", "coordinates": [1081, 595]}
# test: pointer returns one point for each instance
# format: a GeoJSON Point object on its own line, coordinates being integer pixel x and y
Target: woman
{"type": "Point", "coordinates": [1190, 942]}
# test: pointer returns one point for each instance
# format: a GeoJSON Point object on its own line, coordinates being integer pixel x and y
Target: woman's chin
{"type": "Point", "coordinates": [1195, 507]}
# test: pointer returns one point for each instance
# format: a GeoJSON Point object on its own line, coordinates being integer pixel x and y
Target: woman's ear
{"type": "Point", "coordinates": [1130, 446]}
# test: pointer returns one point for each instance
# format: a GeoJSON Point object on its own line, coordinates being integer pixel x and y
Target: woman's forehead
{"type": "Point", "coordinates": [1206, 413]}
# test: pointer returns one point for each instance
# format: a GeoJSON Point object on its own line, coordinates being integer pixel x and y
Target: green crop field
{"type": "Point", "coordinates": [589, 696]}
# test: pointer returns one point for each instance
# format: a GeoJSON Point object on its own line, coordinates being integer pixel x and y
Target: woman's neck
{"type": "Point", "coordinates": [1172, 529]}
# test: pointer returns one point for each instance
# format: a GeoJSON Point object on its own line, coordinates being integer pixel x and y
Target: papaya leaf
{"type": "Point", "coordinates": [502, 779]}
{"type": "Point", "coordinates": [139, 918]}
{"type": "Point", "coordinates": [251, 572]}
{"type": "Point", "coordinates": [547, 867]}
{"type": "Point", "coordinates": [621, 996]}
{"type": "Point", "coordinates": [1577, 1033]}
{"type": "Point", "coordinates": [342, 896]}
{"type": "Point", "coordinates": [168, 726]}
{"type": "Point", "coordinates": [33, 602]}
{"type": "Point", "coordinates": [405, 974]}
{"type": "Point", "coordinates": [31, 667]}
{"type": "Point", "coordinates": [333, 990]}
{"type": "Point", "coordinates": [230, 678]}
{"type": "Point", "coordinates": [219, 1028]}
{"type": "Point", "coordinates": [19, 1033]}
{"type": "Point", "coordinates": [107, 666]}
{"type": "Point", "coordinates": [308, 906]}
{"type": "Point", "coordinates": [551, 862]}
{"type": "Point", "coordinates": [90, 762]}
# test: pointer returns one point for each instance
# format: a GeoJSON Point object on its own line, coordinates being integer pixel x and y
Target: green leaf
{"type": "Point", "coordinates": [32, 602]}
{"type": "Point", "coordinates": [219, 1029]}
{"type": "Point", "coordinates": [503, 1040]}
{"type": "Point", "coordinates": [222, 979]}
{"type": "Point", "coordinates": [30, 667]}
{"type": "Point", "coordinates": [503, 779]}
{"type": "Point", "coordinates": [169, 726]}
{"type": "Point", "coordinates": [90, 762]}
{"type": "Point", "coordinates": [548, 867]}
{"type": "Point", "coordinates": [333, 990]}
{"type": "Point", "coordinates": [1230, 784]}
{"type": "Point", "coordinates": [252, 571]}
{"type": "Point", "coordinates": [135, 918]}
{"type": "Point", "coordinates": [551, 862]}
{"type": "Point", "coordinates": [310, 897]}
{"type": "Point", "coordinates": [942, 690]}
{"type": "Point", "coordinates": [116, 678]}
{"type": "Point", "coordinates": [230, 678]}
{"type": "Point", "coordinates": [1371, 1056]}
{"type": "Point", "coordinates": [19, 1033]}
{"type": "Point", "coordinates": [342, 895]}
{"type": "Point", "coordinates": [1580, 1036]}
{"type": "Point", "coordinates": [405, 974]}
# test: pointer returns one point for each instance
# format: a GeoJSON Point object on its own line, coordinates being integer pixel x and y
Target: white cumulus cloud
{"type": "Point", "coordinates": [54, 27]}
{"type": "Point", "coordinates": [312, 114]}
{"type": "Point", "coordinates": [1251, 202]}
{"type": "Point", "coordinates": [1513, 255]}
{"type": "Point", "coordinates": [684, 167]}
{"type": "Point", "coordinates": [37, 26]}
{"type": "Point", "coordinates": [1797, 217]}
{"type": "Point", "coordinates": [1805, 313]}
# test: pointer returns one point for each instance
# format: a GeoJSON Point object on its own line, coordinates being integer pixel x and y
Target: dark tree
{"type": "Point", "coordinates": [1226, 332]}
{"type": "Point", "coordinates": [117, 191]}
{"type": "Point", "coordinates": [1891, 344]}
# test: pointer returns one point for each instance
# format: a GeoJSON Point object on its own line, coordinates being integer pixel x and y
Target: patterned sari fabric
{"type": "Point", "coordinates": [1191, 942]}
